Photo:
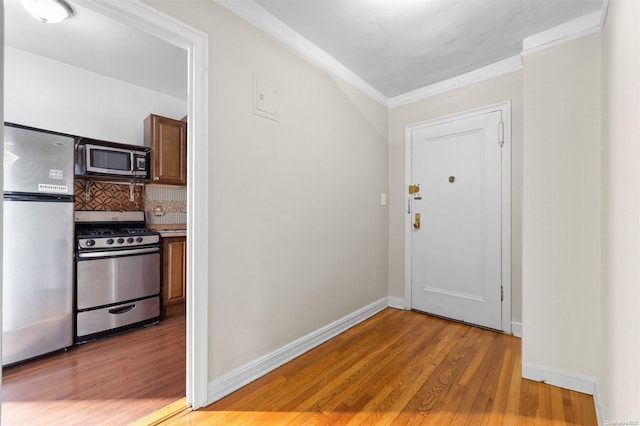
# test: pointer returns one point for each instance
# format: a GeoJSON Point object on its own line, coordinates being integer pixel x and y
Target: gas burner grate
{"type": "Point", "coordinates": [136, 231]}
{"type": "Point", "coordinates": [96, 232]}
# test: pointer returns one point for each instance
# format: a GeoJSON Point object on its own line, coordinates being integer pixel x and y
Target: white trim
{"type": "Point", "coordinates": [557, 377]}
{"type": "Point", "coordinates": [1, 178]}
{"type": "Point", "coordinates": [497, 69]}
{"type": "Point", "coordinates": [396, 303]}
{"type": "Point", "coordinates": [516, 329]}
{"type": "Point", "coordinates": [603, 13]}
{"type": "Point", "coordinates": [260, 18]}
{"type": "Point", "coordinates": [235, 379]}
{"type": "Point", "coordinates": [597, 402]}
{"type": "Point", "coordinates": [148, 19]}
{"type": "Point", "coordinates": [505, 109]}
{"type": "Point", "coordinates": [571, 30]}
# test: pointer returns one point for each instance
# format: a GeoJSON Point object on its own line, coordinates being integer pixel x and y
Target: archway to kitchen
{"type": "Point", "coordinates": [158, 25]}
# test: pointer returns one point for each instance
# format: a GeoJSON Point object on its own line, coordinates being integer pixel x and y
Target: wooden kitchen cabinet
{"type": "Point", "coordinates": [168, 141]}
{"type": "Point", "coordinates": [174, 270]}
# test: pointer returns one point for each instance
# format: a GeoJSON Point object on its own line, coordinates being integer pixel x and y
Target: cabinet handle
{"type": "Point", "coordinates": [156, 178]}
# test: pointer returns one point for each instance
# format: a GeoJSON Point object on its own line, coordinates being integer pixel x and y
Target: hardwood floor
{"type": "Point", "coordinates": [112, 381]}
{"type": "Point", "coordinates": [406, 368]}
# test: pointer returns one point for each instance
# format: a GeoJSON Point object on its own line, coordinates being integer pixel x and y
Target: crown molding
{"type": "Point", "coordinates": [571, 30]}
{"type": "Point", "coordinates": [251, 12]}
{"type": "Point", "coordinates": [496, 69]}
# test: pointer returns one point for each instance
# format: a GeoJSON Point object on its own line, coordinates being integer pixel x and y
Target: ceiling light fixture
{"type": "Point", "coordinates": [48, 11]}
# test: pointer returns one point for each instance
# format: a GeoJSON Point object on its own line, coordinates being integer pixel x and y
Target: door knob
{"type": "Point", "coordinates": [416, 223]}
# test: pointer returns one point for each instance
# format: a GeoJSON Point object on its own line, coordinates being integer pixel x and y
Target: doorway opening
{"type": "Point", "coordinates": [173, 31]}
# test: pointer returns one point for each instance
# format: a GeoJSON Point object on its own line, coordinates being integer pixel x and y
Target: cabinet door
{"type": "Point", "coordinates": [168, 141]}
{"type": "Point", "coordinates": [174, 262]}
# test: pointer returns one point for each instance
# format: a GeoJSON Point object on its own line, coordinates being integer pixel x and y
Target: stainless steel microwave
{"type": "Point", "coordinates": [99, 158]}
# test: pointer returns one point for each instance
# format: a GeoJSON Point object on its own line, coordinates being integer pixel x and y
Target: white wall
{"type": "Point", "coordinates": [495, 90]}
{"type": "Point", "coordinates": [561, 234]}
{"type": "Point", "coordinates": [620, 348]}
{"type": "Point", "coordinates": [51, 95]}
{"type": "Point", "coordinates": [298, 235]}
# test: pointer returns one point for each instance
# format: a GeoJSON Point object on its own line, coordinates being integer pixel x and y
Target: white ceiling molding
{"type": "Point", "coordinates": [571, 30]}
{"type": "Point", "coordinates": [490, 71]}
{"type": "Point", "coordinates": [260, 18]}
{"type": "Point", "coordinates": [603, 12]}
{"type": "Point", "coordinates": [251, 12]}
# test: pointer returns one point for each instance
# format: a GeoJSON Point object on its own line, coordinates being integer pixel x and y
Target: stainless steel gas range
{"type": "Point", "coordinates": [117, 273]}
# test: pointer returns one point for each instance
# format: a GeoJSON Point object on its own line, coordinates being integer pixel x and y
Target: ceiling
{"type": "Point", "coordinates": [401, 45]}
{"type": "Point", "coordinates": [395, 46]}
{"type": "Point", "coordinates": [102, 45]}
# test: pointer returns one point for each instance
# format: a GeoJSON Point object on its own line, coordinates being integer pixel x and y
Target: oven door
{"type": "Point", "coordinates": [108, 277]}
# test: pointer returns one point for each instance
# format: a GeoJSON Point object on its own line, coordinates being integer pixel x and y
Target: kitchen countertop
{"type": "Point", "coordinates": [167, 233]}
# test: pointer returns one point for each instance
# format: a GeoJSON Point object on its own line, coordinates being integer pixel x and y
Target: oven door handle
{"type": "Point", "coordinates": [128, 252]}
{"type": "Point", "coordinates": [122, 309]}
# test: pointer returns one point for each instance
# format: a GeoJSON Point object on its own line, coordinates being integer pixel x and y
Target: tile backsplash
{"type": "Point", "coordinates": [103, 196]}
{"type": "Point", "coordinates": [165, 205]}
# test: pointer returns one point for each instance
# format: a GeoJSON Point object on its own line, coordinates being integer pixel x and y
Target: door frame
{"type": "Point", "coordinates": [505, 109]}
{"type": "Point", "coordinates": [165, 27]}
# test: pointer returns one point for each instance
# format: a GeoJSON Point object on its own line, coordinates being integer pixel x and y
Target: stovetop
{"type": "Point", "coordinates": [108, 230]}
{"type": "Point", "coordinates": [113, 232]}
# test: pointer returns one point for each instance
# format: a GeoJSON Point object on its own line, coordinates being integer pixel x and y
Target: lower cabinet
{"type": "Point", "coordinates": [174, 270]}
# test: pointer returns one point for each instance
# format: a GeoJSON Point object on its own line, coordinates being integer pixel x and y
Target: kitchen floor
{"type": "Point", "coordinates": [111, 381]}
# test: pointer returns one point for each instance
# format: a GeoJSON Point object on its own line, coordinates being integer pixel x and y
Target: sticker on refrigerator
{"type": "Point", "coordinates": [58, 189]}
{"type": "Point", "coordinates": [56, 174]}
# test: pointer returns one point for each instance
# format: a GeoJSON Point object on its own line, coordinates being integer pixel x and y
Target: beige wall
{"type": "Point", "coordinates": [561, 207]}
{"type": "Point", "coordinates": [298, 236]}
{"type": "Point", "coordinates": [620, 346]}
{"type": "Point", "coordinates": [500, 89]}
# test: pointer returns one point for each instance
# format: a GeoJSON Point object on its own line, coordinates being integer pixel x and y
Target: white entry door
{"type": "Point", "coordinates": [456, 214]}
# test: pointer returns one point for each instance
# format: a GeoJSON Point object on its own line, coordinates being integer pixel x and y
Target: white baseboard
{"type": "Point", "coordinates": [396, 303]}
{"type": "Point", "coordinates": [235, 379]}
{"type": "Point", "coordinates": [598, 403]}
{"type": "Point", "coordinates": [516, 329]}
{"type": "Point", "coordinates": [557, 377]}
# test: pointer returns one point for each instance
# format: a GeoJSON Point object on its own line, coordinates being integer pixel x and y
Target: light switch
{"type": "Point", "coordinates": [383, 199]}
{"type": "Point", "coordinates": [265, 99]}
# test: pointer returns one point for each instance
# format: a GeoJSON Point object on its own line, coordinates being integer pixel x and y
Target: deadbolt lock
{"type": "Point", "coordinates": [413, 189]}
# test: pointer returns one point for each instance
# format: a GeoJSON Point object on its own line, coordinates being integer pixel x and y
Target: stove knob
{"type": "Point", "coordinates": [110, 241]}
{"type": "Point", "coordinates": [139, 239]}
{"type": "Point", "coordinates": [129, 240]}
{"type": "Point", "coordinates": [91, 243]}
{"type": "Point", "coordinates": [120, 240]}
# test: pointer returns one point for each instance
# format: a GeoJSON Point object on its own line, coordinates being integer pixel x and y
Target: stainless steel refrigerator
{"type": "Point", "coordinates": [37, 232]}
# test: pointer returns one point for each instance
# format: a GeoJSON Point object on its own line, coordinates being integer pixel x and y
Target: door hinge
{"type": "Point", "coordinates": [501, 293]}
{"type": "Point", "coordinates": [501, 133]}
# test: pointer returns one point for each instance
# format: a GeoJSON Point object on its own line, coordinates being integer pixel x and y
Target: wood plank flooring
{"type": "Point", "coordinates": [112, 381]}
{"type": "Point", "coordinates": [401, 368]}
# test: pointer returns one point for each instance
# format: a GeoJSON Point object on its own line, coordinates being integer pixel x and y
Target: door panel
{"type": "Point", "coordinates": [37, 288]}
{"type": "Point", "coordinates": [37, 162]}
{"type": "Point", "coordinates": [456, 252]}
{"type": "Point", "coordinates": [117, 279]}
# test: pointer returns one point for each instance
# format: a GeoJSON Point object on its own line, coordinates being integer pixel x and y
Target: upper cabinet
{"type": "Point", "coordinates": [168, 141]}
